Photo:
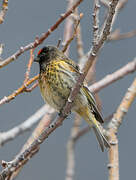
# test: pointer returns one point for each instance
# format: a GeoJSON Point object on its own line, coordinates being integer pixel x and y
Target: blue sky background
{"type": "Point", "coordinates": [26, 19]}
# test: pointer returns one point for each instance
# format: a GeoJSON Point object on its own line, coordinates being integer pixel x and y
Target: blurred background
{"type": "Point", "coordinates": [26, 19]}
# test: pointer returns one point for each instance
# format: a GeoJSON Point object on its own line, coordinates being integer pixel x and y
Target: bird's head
{"type": "Point", "coordinates": [47, 54]}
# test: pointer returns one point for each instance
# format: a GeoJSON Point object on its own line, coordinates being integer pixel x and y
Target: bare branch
{"type": "Point", "coordinates": [26, 83]}
{"type": "Point", "coordinates": [123, 107]}
{"type": "Point", "coordinates": [20, 90]}
{"type": "Point", "coordinates": [96, 21]}
{"type": "Point", "coordinates": [105, 3]}
{"type": "Point", "coordinates": [79, 42]}
{"type": "Point", "coordinates": [70, 169]}
{"type": "Point", "coordinates": [74, 33]}
{"type": "Point", "coordinates": [3, 11]}
{"type": "Point", "coordinates": [31, 88]}
{"type": "Point", "coordinates": [41, 39]}
{"type": "Point", "coordinates": [68, 27]}
{"type": "Point", "coordinates": [122, 4]}
{"type": "Point", "coordinates": [113, 126]}
{"type": "Point", "coordinates": [116, 35]}
{"type": "Point", "coordinates": [29, 65]}
{"type": "Point", "coordinates": [58, 43]}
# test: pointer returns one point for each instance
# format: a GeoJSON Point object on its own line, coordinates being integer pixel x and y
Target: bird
{"type": "Point", "coordinates": [57, 76]}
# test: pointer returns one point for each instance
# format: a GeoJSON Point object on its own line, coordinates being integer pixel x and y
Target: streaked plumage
{"type": "Point", "coordinates": [58, 74]}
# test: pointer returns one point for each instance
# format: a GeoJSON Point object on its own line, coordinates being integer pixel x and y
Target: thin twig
{"type": "Point", "coordinates": [31, 88]}
{"type": "Point", "coordinates": [122, 4]}
{"type": "Point", "coordinates": [96, 21]}
{"type": "Point", "coordinates": [123, 108]}
{"type": "Point", "coordinates": [3, 11]}
{"type": "Point", "coordinates": [20, 90]}
{"type": "Point", "coordinates": [68, 27]}
{"type": "Point", "coordinates": [42, 37]}
{"type": "Point", "coordinates": [26, 83]}
{"type": "Point", "coordinates": [28, 73]}
{"type": "Point", "coordinates": [74, 33]}
{"type": "Point", "coordinates": [58, 44]}
{"type": "Point", "coordinates": [79, 43]}
{"type": "Point", "coordinates": [113, 126]}
{"type": "Point", "coordinates": [70, 166]}
{"type": "Point", "coordinates": [29, 66]}
{"type": "Point", "coordinates": [105, 3]}
{"type": "Point", "coordinates": [116, 35]}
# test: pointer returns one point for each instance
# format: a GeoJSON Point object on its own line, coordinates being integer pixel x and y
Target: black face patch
{"type": "Point", "coordinates": [46, 54]}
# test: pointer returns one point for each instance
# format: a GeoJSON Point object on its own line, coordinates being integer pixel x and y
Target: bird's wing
{"type": "Point", "coordinates": [73, 65]}
{"type": "Point", "coordinates": [68, 67]}
{"type": "Point", "coordinates": [92, 104]}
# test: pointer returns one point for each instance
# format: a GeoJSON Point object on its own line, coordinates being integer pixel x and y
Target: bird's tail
{"type": "Point", "coordinates": [102, 140]}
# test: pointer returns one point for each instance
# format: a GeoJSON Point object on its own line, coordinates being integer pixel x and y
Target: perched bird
{"type": "Point", "coordinates": [58, 74]}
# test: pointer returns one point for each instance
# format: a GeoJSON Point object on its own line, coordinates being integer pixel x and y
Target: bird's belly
{"type": "Point", "coordinates": [56, 93]}
{"type": "Point", "coordinates": [54, 96]}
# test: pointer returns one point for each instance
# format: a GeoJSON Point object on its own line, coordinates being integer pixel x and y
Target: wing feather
{"type": "Point", "coordinates": [93, 105]}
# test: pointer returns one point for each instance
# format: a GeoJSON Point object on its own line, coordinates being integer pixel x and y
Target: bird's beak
{"type": "Point", "coordinates": [37, 59]}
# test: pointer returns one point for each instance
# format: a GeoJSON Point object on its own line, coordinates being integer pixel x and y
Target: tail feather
{"type": "Point", "coordinates": [91, 119]}
{"type": "Point", "coordinates": [101, 138]}
{"type": "Point", "coordinates": [103, 142]}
